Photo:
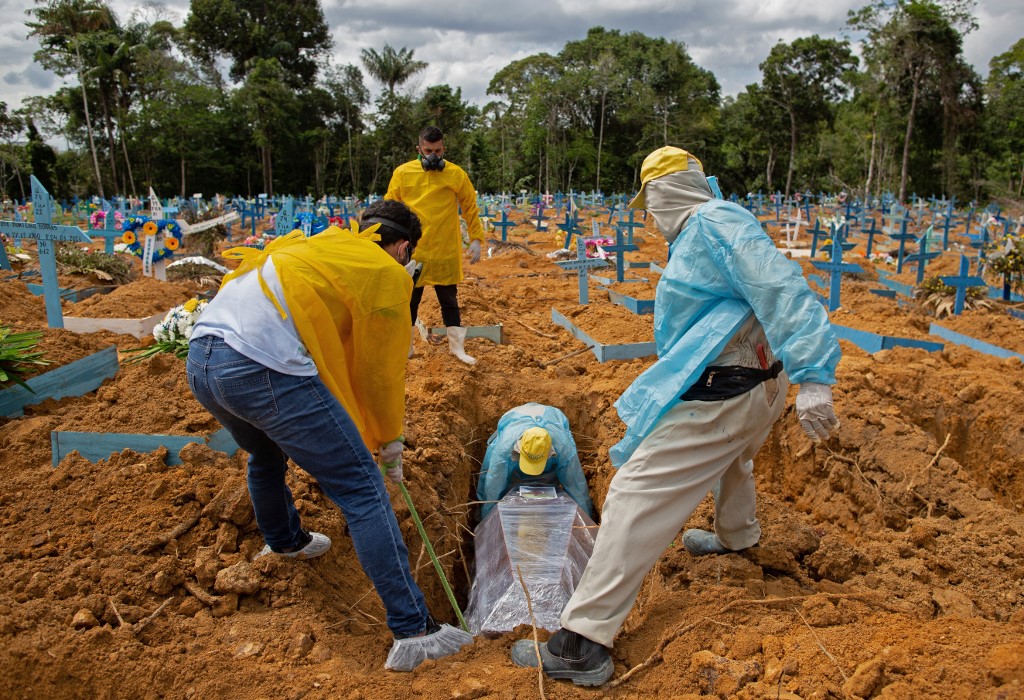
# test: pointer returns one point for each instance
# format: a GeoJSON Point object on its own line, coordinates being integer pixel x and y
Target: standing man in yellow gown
{"type": "Point", "coordinates": [436, 190]}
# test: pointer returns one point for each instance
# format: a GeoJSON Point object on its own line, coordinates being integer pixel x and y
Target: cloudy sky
{"type": "Point", "coordinates": [467, 41]}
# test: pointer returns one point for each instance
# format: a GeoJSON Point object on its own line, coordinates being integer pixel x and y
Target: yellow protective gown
{"type": "Point", "coordinates": [350, 304]}
{"type": "Point", "coordinates": [436, 196]}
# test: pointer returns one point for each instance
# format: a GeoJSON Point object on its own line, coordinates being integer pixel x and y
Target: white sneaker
{"type": "Point", "coordinates": [318, 544]}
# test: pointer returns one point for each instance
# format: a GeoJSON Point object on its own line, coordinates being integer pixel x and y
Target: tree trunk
{"type": "Point", "coordinates": [351, 159]}
{"type": "Point", "coordinates": [128, 163]}
{"type": "Point", "coordinates": [906, 140]}
{"type": "Point", "coordinates": [600, 141]}
{"type": "Point", "coordinates": [769, 167]}
{"type": "Point", "coordinates": [88, 125]}
{"type": "Point", "coordinates": [792, 152]}
{"type": "Point", "coordinates": [182, 175]}
{"type": "Point", "coordinates": [871, 162]}
{"type": "Point", "coordinates": [111, 146]}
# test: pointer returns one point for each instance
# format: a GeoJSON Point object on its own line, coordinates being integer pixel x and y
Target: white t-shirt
{"type": "Point", "coordinates": [243, 316]}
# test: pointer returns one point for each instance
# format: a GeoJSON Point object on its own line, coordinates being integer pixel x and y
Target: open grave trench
{"type": "Point", "coordinates": [893, 555]}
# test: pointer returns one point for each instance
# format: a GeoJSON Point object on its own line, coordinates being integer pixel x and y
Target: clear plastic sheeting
{"type": "Point", "coordinates": [407, 654]}
{"type": "Point", "coordinates": [544, 533]}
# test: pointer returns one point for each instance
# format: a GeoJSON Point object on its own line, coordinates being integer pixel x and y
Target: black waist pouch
{"type": "Point", "coordinates": [721, 383]}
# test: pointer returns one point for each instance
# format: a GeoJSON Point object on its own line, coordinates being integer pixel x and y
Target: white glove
{"type": "Point", "coordinates": [413, 268]}
{"type": "Point", "coordinates": [474, 251]}
{"type": "Point", "coordinates": [814, 410]}
{"type": "Point", "coordinates": [390, 455]}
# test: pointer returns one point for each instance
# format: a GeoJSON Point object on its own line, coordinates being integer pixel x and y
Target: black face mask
{"type": "Point", "coordinates": [432, 162]}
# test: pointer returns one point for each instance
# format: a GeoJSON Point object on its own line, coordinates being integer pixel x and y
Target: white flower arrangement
{"type": "Point", "coordinates": [827, 222]}
{"type": "Point", "coordinates": [173, 333]}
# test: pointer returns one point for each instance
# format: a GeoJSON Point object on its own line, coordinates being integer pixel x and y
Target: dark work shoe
{"type": "Point", "coordinates": [569, 656]}
{"type": "Point", "coordinates": [701, 543]}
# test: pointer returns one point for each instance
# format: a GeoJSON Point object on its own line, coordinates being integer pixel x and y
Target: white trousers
{"type": "Point", "coordinates": [698, 446]}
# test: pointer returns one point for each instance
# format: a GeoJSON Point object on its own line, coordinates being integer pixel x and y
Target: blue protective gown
{"type": "Point", "coordinates": [498, 468]}
{"type": "Point", "coordinates": [722, 268]}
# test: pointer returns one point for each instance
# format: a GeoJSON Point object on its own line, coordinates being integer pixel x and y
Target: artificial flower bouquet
{"type": "Point", "coordinates": [173, 333]}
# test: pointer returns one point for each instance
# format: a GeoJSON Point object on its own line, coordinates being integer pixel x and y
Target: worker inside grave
{"type": "Point", "coordinates": [532, 445]}
{"type": "Point", "coordinates": [535, 534]}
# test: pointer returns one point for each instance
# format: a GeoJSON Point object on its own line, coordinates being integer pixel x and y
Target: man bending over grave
{"type": "Point", "coordinates": [727, 305]}
{"type": "Point", "coordinates": [436, 189]}
{"type": "Point", "coordinates": [532, 446]}
{"type": "Point", "coordinates": [302, 354]}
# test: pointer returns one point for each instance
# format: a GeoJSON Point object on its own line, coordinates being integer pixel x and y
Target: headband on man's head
{"type": "Point", "coordinates": [394, 225]}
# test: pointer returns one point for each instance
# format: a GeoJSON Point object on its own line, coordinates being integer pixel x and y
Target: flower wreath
{"type": "Point", "coordinates": [310, 224]}
{"type": "Point", "coordinates": [136, 228]}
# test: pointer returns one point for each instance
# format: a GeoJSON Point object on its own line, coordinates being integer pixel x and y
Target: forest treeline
{"type": "Point", "coordinates": [244, 98]}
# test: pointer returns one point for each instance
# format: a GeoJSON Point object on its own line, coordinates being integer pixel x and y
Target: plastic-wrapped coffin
{"type": "Point", "coordinates": [545, 534]}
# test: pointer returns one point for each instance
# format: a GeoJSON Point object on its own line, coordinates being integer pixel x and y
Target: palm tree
{"type": "Point", "coordinates": [393, 68]}
{"type": "Point", "coordinates": [61, 26]}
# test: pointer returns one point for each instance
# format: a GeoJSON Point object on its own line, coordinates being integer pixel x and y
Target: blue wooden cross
{"type": "Point", "coordinates": [922, 256]}
{"type": "Point", "coordinates": [620, 248]}
{"type": "Point", "coordinates": [816, 233]}
{"type": "Point", "coordinates": [539, 217]}
{"type": "Point", "coordinates": [109, 233]}
{"type": "Point", "coordinates": [961, 282]}
{"type": "Point", "coordinates": [899, 235]}
{"type": "Point", "coordinates": [285, 221]}
{"type": "Point", "coordinates": [571, 227]}
{"type": "Point", "coordinates": [582, 264]}
{"type": "Point", "coordinates": [871, 232]}
{"type": "Point", "coordinates": [45, 233]}
{"type": "Point", "coordinates": [629, 225]}
{"type": "Point", "coordinates": [505, 224]}
{"type": "Point", "coordinates": [835, 267]}
{"type": "Point", "coordinates": [5, 263]}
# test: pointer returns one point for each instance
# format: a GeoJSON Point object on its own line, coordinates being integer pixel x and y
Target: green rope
{"type": "Point", "coordinates": [433, 556]}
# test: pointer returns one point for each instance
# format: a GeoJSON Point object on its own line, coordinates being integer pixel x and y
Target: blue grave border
{"type": "Point", "coordinates": [73, 379]}
{"type": "Point", "coordinates": [73, 295]}
{"type": "Point", "coordinates": [603, 353]}
{"type": "Point", "coordinates": [637, 306]}
{"type": "Point", "coordinates": [97, 446]}
{"type": "Point", "coordinates": [874, 342]}
{"type": "Point", "coordinates": [973, 343]}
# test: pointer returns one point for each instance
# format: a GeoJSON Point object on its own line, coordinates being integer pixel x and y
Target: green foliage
{"type": "Point", "coordinates": [1006, 258]}
{"type": "Point", "coordinates": [145, 106]}
{"type": "Point", "coordinates": [73, 260]}
{"type": "Point", "coordinates": [17, 354]}
{"type": "Point", "coordinates": [291, 32]}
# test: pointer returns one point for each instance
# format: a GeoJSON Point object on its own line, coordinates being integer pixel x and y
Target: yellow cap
{"type": "Point", "coordinates": [534, 450]}
{"type": "Point", "coordinates": [665, 160]}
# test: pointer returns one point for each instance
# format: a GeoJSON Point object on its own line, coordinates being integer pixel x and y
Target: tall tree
{"type": "Point", "coordinates": [1004, 93]}
{"type": "Point", "coordinates": [804, 79]}
{"type": "Point", "coordinates": [61, 27]}
{"type": "Point", "coordinates": [268, 104]}
{"type": "Point", "coordinates": [292, 32]}
{"type": "Point", "coordinates": [912, 45]}
{"type": "Point", "coordinates": [390, 67]}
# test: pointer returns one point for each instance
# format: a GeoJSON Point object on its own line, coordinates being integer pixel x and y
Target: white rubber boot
{"type": "Point", "coordinates": [412, 342]}
{"type": "Point", "coordinates": [457, 344]}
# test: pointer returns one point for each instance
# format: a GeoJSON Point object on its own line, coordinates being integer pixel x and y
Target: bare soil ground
{"type": "Point", "coordinates": [891, 565]}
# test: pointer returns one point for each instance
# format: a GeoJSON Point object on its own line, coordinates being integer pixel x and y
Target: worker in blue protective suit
{"type": "Point", "coordinates": [533, 446]}
{"type": "Point", "coordinates": [734, 323]}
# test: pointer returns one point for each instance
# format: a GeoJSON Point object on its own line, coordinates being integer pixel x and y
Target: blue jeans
{"type": "Point", "coordinates": [273, 416]}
